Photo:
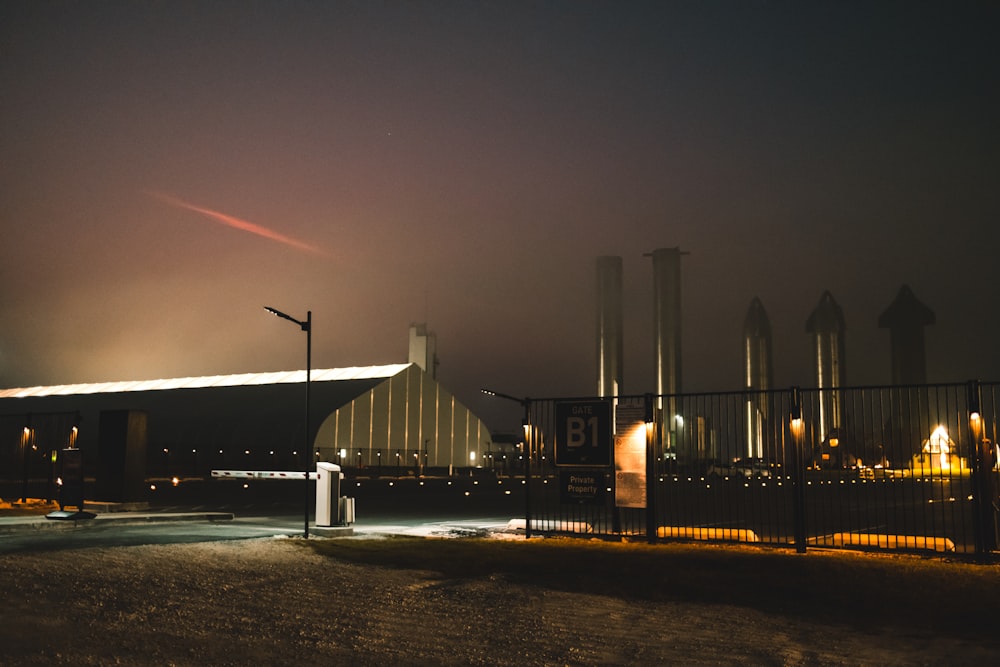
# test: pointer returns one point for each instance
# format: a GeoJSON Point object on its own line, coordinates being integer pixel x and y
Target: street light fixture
{"type": "Point", "coordinates": [306, 461]}
{"type": "Point", "coordinates": [528, 434]}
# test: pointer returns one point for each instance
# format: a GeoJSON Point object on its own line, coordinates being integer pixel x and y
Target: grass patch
{"type": "Point", "coordinates": [867, 591]}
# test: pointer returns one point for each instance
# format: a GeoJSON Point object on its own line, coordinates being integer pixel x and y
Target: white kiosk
{"type": "Point", "coordinates": [331, 508]}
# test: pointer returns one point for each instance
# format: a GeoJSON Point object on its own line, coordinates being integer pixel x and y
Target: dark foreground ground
{"type": "Point", "coordinates": [496, 600]}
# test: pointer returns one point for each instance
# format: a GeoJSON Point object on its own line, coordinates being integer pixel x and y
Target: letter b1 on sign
{"type": "Point", "coordinates": [583, 433]}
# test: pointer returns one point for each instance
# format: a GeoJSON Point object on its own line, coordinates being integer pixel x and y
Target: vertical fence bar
{"type": "Point", "coordinates": [983, 488]}
{"type": "Point", "coordinates": [650, 469]}
{"type": "Point", "coordinates": [797, 429]}
{"type": "Point", "coordinates": [529, 435]}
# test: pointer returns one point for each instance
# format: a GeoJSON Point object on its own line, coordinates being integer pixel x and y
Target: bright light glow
{"type": "Point", "coordinates": [679, 420]}
{"type": "Point", "coordinates": [939, 444]}
{"type": "Point", "coordinates": [175, 481]}
{"type": "Point", "coordinates": [472, 457]}
{"type": "Point", "coordinates": [834, 442]}
{"type": "Point", "coordinates": [937, 455]}
{"type": "Point", "coordinates": [976, 424]}
{"type": "Point", "coordinates": [343, 453]}
{"type": "Point", "coordinates": [798, 426]}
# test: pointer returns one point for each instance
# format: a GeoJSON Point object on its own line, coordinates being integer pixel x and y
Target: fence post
{"type": "Point", "coordinates": [529, 434]}
{"type": "Point", "coordinates": [651, 476]}
{"type": "Point", "coordinates": [797, 428]}
{"type": "Point", "coordinates": [983, 486]}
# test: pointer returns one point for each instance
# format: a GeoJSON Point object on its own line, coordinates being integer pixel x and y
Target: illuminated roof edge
{"type": "Point", "coordinates": [238, 380]}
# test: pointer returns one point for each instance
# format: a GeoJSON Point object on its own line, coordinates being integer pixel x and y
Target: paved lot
{"type": "Point", "coordinates": [26, 528]}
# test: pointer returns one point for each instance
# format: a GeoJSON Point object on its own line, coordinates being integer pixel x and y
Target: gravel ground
{"type": "Point", "coordinates": [272, 601]}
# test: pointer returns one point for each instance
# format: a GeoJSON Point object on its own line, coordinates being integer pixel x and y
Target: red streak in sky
{"type": "Point", "coordinates": [237, 223]}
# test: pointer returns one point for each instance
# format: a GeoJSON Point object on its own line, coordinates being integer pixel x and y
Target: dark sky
{"type": "Point", "coordinates": [464, 163]}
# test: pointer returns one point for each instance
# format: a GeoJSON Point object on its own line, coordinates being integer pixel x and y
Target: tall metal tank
{"type": "Point", "coordinates": [758, 376]}
{"type": "Point", "coordinates": [610, 342]}
{"type": "Point", "coordinates": [827, 327]}
{"type": "Point", "coordinates": [905, 318]}
{"type": "Point", "coordinates": [667, 348]}
{"type": "Point", "coordinates": [667, 319]}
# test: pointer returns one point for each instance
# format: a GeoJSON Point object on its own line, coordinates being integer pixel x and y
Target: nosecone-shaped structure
{"type": "Point", "coordinates": [905, 318]}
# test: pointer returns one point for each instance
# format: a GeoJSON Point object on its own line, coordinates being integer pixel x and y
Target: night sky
{"type": "Point", "coordinates": [169, 168]}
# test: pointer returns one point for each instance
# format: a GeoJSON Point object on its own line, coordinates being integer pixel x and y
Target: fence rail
{"type": "Point", "coordinates": [894, 467]}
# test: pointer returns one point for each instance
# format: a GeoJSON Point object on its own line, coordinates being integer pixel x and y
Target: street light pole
{"type": "Point", "coordinates": [528, 435]}
{"type": "Point", "coordinates": [307, 446]}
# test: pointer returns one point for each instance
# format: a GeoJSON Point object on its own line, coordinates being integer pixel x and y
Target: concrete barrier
{"type": "Point", "coordinates": [552, 525]}
{"type": "Point", "coordinates": [886, 541]}
{"type": "Point", "coordinates": [698, 533]}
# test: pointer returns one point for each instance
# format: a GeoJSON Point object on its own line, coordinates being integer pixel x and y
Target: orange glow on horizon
{"type": "Point", "coordinates": [238, 223]}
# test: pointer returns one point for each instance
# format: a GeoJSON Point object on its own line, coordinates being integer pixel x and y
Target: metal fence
{"type": "Point", "coordinates": [893, 467]}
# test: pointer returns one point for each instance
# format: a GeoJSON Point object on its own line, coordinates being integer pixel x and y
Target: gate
{"type": "Point", "coordinates": [879, 467]}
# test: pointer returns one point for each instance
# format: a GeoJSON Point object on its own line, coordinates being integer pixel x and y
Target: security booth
{"type": "Point", "coordinates": [331, 508]}
{"type": "Point", "coordinates": [70, 463]}
{"type": "Point", "coordinates": [70, 478]}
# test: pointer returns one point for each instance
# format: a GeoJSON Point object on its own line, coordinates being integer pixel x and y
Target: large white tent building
{"type": "Point", "coordinates": [387, 418]}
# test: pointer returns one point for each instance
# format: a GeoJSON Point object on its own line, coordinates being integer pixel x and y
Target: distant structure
{"type": "Point", "coordinates": [391, 417]}
{"type": "Point", "coordinates": [667, 339]}
{"type": "Point", "coordinates": [826, 326]}
{"type": "Point", "coordinates": [905, 318]}
{"type": "Point", "coordinates": [758, 375]}
{"type": "Point", "coordinates": [394, 417]}
{"type": "Point", "coordinates": [423, 349]}
{"type": "Point", "coordinates": [610, 341]}
{"type": "Point", "coordinates": [667, 319]}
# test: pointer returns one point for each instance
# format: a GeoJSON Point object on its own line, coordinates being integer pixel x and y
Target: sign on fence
{"type": "Point", "coordinates": [583, 433]}
{"type": "Point", "coordinates": [583, 486]}
{"type": "Point", "coordinates": [630, 454]}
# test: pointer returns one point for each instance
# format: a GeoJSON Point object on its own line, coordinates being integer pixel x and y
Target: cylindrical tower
{"type": "Point", "coordinates": [667, 348]}
{"type": "Point", "coordinates": [610, 343]}
{"type": "Point", "coordinates": [758, 375]}
{"type": "Point", "coordinates": [667, 319]}
{"type": "Point", "coordinates": [827, 327]}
